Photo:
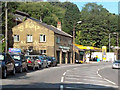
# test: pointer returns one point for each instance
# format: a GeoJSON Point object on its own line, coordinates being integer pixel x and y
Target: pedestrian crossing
{"type": "Point", "coordinates": [87, 77]}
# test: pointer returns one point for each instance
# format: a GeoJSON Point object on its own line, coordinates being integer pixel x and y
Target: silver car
{"type": "Point", "coordinates": [116, 64]}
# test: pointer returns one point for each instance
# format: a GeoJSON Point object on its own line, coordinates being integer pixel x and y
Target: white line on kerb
{"type": "Point", "coordinates": [62, 78]}
{"type": "Point", "coordinates": [64, 73]}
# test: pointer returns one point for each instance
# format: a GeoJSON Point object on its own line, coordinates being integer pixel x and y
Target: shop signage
{"type": "Point", "coordinates": [15, 50]}
{"type": "Point", "coordinates": [63, 47]}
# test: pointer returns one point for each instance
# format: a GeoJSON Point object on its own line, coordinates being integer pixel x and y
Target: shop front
{"type": "Point", "coordinates": [64, 55]}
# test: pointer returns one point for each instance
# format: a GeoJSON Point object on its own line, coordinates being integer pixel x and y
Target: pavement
{"type": "Point", "coordinates": [65, 77]}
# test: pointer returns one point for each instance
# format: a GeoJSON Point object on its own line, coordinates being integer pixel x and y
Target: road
{"type": "Point", "coordinates": [62, 77]}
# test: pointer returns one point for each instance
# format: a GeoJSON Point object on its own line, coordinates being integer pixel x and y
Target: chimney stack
{"type": "Point", "coordinates": [59, 26]}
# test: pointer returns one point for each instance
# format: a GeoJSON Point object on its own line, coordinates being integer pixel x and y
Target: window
{"type": "Point", "coordinates": [42, 38]}
{"type": "Point", "coordinates": [58, 40]}
{"type": "Point", "coordinates": [16, 38]}
{"type": "Point", "coordinates": [29, 38]}
{"type": "Point", "coordinates": [42, 51]}
{"type": "Point", "coordinates": [70, 42]}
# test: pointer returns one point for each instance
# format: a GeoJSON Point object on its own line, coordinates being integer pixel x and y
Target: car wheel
{"type": "Point", "coordinates": [13, 72]}
{"type": "Point", "coordinates": [26, 69]}
{"type": "Point", "coordinates": [38, 67]}
{"type": "Point", "coordinates": [47, 66]}
{"type": "Point", "coordinates": [56, 64]}
{"type": "Point", "coordinates": [33, 68]}
{"type": "Point", "coordinates": [21, 70]}
{"type": "Point", "coordinates": [5, 73]}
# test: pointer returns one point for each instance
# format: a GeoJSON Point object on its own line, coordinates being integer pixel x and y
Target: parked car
{"type": "Point", "coordinates": [49, 60]}
{"type": "Point", "coordinates": [32, 62]}
{"type": "Point", "coordinates": [20, 62]}
{"type": "Point", "coordinates": [116, 64]}
{"type": "Point", "coordinates": [53, 61]}
{"type": "Point", "coordinates": [7, 64]}
{"type": "Point", "coordinates": [44, 61]}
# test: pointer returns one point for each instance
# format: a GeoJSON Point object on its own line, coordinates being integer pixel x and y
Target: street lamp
{"type": "Point", "coordinates": [74, 39]}
{"type": "Point", "coordinates": [110, 40]}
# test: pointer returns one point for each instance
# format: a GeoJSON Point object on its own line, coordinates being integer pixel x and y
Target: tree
{"type": "Point", "coordinates": [96, 26]}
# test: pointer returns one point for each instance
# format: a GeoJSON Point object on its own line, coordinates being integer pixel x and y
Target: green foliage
{"type": "Point", "coordinates": [96, 25]}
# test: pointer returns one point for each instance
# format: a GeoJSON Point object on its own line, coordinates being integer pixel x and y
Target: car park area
{"type": "Point", "coordinates": [12, 63]}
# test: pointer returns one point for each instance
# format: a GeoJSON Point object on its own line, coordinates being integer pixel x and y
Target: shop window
{"type": "Point", "coordinates": [42, 38]}
{"type": "Point", "coordinates": [42, 51]}
{"type": "Point", "coordinates": [29, 38]}
{"type": "Point", "coordinates": [16, 38]}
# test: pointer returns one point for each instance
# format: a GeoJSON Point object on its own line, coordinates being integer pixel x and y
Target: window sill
{"type": "Point", "coordinates": [42, 42]}
{"type": "Point", "coordinates": [29, 42]}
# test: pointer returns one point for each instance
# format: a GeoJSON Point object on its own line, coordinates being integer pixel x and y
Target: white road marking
{"type": "Point", "coordinates": [86, 80]}
{"type": "Point", "coordinates": [105, 78]}
{"type": "Point", "coordinates": [64, 73]}
{"type": "Point", "coordinates": [62, 79]}
{"type": "Point", "coordinates": [92, 84]}
{"type": "Point", "coordinates": [80, 76]}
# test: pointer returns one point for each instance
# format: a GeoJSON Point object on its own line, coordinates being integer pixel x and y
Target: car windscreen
{"type": "Point", "coordinates": [2, 57]}
{"type": "Point", "coordinates": [16, 57]}
{"type": "Point", "coordinates": [27, 57]}
{"type": "Point", "coordinates": [117, 61]}
{"type": "Point", "coordinates": [41, 57]}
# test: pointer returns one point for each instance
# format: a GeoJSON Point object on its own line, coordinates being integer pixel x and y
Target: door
{"type": "Point", "coordinates": [69, 56]}
{"type": "Point", "coordinates": [58, 56]}
{"type": "Point", "coordinates": [10, 63]}
{"type": "Point", "coordinates": [63, 57]}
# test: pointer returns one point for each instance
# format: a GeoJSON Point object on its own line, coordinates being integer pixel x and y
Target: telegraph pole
{"type": "Point", "coordinates": [109, 41]}
{"type": "Point", "coordinates": [6, 29]}
{"type": "Point", "coordinates": [73, 43]}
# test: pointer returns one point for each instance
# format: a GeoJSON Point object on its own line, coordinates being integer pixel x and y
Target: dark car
{"type": "Point", "coordinates": [20, 62]}
{"type": "Point", "coordinates": [52, 61]}
{"type": "Point", "coordinates": [32, 62]}
{"type": "Point", "coordinates": [7, 64]}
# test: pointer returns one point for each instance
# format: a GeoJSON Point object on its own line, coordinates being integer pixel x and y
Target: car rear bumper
{"type": "Point", "coordinates": [116, 67]}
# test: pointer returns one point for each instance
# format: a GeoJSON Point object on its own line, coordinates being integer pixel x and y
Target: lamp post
{"type": "Point", "coordinates": [74, 39]}
{"type": "Point", "coordinates": [116, 39]}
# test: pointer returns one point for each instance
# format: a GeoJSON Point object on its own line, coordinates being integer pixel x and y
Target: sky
{"type": "Point", "coordinates": [112, 7]}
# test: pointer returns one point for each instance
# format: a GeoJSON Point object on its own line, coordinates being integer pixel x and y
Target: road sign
{"type": "Point", "coordinates": [15, 50]}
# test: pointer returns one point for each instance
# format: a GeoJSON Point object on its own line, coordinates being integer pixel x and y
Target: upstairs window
{"type": "Point", "coordinates": [29, 38]}
{"type": "Point", "coordinates": [42, 38]}
{"type": "Point", "coordinates": [58, 40]}
{"type": "Point", "coordinates": [16, 38]}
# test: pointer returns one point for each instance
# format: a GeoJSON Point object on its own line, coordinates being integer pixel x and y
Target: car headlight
{"type": "Point", "coordinates": [17, 64]}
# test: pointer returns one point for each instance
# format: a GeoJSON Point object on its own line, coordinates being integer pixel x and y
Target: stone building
{"type": "Point", "coordinates": [36, 37]}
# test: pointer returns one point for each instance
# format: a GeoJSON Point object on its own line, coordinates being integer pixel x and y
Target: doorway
{"type": "Point", "coordinates": [58, 56]}
{"type": "Point", "coordinates": [63, 57]}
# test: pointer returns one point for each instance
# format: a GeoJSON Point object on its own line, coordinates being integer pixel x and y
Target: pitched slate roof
{"type": "Point", "coordinates": [54, 29]}
{"type": "Point", "coordinates": [20, 15]}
